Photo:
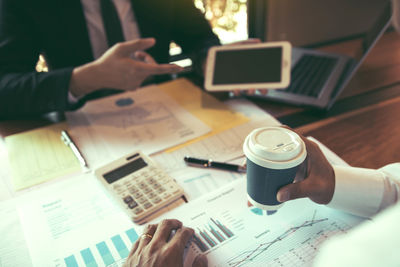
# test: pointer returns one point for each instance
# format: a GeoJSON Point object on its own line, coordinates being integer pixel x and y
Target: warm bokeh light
{"type": "Point", "coordinates": [41, 65]}
{"type": "Point", "coordinates": [228, 18]}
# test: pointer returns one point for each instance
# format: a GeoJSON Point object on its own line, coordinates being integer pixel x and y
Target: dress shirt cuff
{"type": "Point", "coordinates": [358, 191]}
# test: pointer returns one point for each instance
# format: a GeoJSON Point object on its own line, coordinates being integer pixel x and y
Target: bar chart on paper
{"type": "Point", "coordinates": [243, 236]}
{"type": "Point", "coordinates": [73, 223]}
{"type": "Point", "coordinates": [211, 234]}
{"type": "Point", "coordinates": [112, 252]}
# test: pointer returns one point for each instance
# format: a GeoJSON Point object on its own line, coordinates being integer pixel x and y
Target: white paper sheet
{"type": "Point", "coordinates": [13, 249]}
{"type": "Point", "coordinates": [90, 144]}
{"type": "Point", "coordinates": [75, 222]}
{"type": "Point", "coordinates": [198, 182]}
{"type": "Point", "coordinates": [226, 146]}
{"type": "Point", "coordinates": [232, 233]}
{"type": "Point", "coordinates": [146, 120]}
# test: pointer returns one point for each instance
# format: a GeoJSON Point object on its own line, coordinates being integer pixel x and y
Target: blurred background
{"type": "Point", "coordinates": [308, 23]}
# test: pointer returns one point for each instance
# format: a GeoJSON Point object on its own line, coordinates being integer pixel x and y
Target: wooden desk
{"type": "Point", "coordinates": [16, 126]}
{"type": "Point", "coordinates": [368, 137]}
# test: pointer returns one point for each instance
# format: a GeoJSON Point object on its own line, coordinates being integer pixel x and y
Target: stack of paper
{"type": "Point", "coordinates": [151, 119]}
{"type": "Point", "coordinates": [75, 223]}
{"type": "Point", "coordinates": [39, 155]}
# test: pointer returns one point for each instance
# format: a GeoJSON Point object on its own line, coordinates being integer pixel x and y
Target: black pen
{"type": "Point", "coordinates": [208, 163]}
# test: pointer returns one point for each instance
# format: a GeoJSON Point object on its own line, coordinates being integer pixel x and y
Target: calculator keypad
{"type": "Point", "coordinates": [141, 192]}
{"type": "Point", "coordinates": [141, 189]}
{"type": "Point", "coordinates": [132, 204]}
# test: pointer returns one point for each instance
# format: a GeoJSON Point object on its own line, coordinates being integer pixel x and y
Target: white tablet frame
{"type": "Point", "coordinates": [285, 67]}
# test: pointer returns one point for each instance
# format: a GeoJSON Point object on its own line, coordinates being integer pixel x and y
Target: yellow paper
{"type": "Point", "coordinates": [203, 106]}
{"type": "Point", "coordinates": [39, 155]}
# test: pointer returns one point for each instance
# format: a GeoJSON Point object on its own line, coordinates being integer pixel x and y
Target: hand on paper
{"type": "Point", "coordinates": [318, 181]}
{"type": "Point", "coordinates": [156, 248]}
{"type": "Point", "coordinates": [124, 66]}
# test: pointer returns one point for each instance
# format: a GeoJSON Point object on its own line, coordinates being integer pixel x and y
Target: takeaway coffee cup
{"type": "Point", "coordinates": [273, 157]}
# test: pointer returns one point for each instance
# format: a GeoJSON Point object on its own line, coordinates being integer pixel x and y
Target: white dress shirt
{"type": "Point", "coordinates": [366, 192]}
{"type": "Point", "coordinates": [94, 22]}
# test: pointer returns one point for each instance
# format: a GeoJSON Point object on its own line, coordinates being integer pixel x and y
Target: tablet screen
{"type": "Point", "coordinates": [261, 65]}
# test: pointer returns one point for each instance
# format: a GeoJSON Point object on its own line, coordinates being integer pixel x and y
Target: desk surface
{"type": "Point", "coordinates": [369, 137]}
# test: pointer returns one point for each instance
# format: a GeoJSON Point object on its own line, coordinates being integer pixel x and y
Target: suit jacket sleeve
{"type": "Point", "coordinates": [193, 32]}
{"type": "Point", "coordinates": [23, 91]}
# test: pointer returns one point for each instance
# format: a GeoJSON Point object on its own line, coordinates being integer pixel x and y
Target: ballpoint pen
{"type": "Point", "coordinates": [70, 143]}
{"type": "Point", "coordinates": [208, 163]}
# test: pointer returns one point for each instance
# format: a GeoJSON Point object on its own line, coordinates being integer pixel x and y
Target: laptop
{"type": "Point", "coordinates": [317, 78]}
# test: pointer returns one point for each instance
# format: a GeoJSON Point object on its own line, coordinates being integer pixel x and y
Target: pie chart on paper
{"type": "Point", "coordinates": [258, 211]}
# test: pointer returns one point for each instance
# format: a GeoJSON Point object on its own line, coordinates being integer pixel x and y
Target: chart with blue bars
{"type": "Point", "coordinates": [211, 234]}
{"type": "Point", "coordinates": [106, 253]}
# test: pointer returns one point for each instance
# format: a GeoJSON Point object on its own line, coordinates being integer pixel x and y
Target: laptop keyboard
{"type": "Point", "coordinates": [310, 74]}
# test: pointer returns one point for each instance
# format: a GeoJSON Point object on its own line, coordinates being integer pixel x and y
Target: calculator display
{"type": "Point", "coordinates": [123, 171]}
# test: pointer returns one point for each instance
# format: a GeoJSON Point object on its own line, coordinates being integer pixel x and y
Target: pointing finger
{"type": "Point", "coordinates": [154, 69]}
{"type": "Point", "coordinates": [127, 48]}
{"type": "Point", "coordinates": [145, 57]}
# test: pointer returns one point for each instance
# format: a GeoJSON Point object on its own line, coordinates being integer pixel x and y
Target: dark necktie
{"type": "Point", "coordinates": [112, 23]}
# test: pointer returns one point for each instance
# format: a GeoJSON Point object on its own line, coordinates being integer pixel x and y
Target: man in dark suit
{"type": "Point", "coordinates": [67, 34]}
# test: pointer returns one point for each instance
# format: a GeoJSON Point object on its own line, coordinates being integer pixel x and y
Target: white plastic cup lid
{"type": "Point", "coordinates": [275, 148]}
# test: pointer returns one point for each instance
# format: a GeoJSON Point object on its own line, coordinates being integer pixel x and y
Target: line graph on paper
{"type": "Point", "coordinates": [295, 246]}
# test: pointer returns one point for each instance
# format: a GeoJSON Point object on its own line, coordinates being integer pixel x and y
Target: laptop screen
{"type": "Point", "coordinates": [372, 35]}
{"type": "Point", "coordinates": [370, 38]}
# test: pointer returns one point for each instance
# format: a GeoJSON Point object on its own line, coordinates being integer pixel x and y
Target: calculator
{"type": "Point", "coordinates": [139, 186]}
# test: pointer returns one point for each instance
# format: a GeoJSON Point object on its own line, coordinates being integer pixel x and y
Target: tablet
{"type": "Point", "coordinates": [249, 66]}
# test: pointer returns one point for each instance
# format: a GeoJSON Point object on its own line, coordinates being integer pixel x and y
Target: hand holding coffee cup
{"type": "Point", "coordinates": [274, 155]}
{"type": "Point", "coordinates": [318, 183]}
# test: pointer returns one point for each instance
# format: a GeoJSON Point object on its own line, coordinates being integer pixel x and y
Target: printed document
{"type": "Point", "coordinates": [232, 232]}
{"type": "Point", "coordinates": [13, 249]}
{"type": "Point", "coordinates": [75, 223]}
{"type": "Point", "coordinates": [214, 113]}
{"type": "Point", "coordinates": [146, 119]}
